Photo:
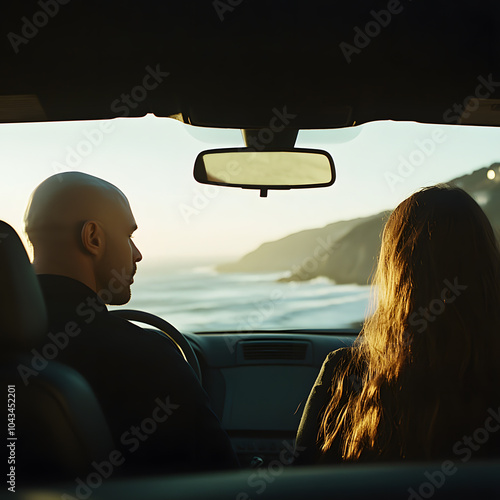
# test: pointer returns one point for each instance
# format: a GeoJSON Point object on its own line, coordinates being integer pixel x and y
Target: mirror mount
{"type": "Point", "coordinates": [267, 139]}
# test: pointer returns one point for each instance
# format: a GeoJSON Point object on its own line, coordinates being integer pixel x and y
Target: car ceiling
{"type": "Point", "coordinates": [233, 63]}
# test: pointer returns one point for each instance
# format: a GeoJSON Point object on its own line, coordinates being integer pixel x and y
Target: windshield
{"type": "Point", "coordinates": [218, 259]}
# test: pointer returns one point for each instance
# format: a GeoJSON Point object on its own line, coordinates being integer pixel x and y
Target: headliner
{"type": "Point", "coordinates": [231, 62]}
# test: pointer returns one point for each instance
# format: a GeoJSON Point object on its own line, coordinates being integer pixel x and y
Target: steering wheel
{"type": "Point", "coordinates": [167, 330]}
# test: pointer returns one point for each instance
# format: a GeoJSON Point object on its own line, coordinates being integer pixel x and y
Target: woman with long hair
{"type": "Point", "coordinates": [424, 374]}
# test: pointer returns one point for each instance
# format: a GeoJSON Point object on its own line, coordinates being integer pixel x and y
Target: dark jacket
{"type": "Point", "coordinates": [456, 445]}
{"type": "Point", "coordinates": [159, 415]}
{"type": "Point", "coordinates": [307, 444]}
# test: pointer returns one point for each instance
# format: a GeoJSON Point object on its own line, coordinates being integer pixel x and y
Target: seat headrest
{"type": "Point", "coordinates": [23, 315]}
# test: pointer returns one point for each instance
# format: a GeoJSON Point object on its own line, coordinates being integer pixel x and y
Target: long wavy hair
{"type": "Point", "coordinates": [428, 358]}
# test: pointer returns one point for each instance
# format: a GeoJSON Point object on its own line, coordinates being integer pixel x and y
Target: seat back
{"type": "Point", "coordinates": [58, 430]}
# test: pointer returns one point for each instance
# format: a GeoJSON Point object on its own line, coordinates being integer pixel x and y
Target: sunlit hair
{"type": "Point", "coordinates": [428, 357]}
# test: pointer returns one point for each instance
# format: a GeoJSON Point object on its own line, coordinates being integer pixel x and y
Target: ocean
{"type": "Point", "coordinates": [194, 297]}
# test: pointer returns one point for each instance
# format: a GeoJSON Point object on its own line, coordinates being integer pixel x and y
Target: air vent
{"type": "Point", "coordinates": [274, 351]}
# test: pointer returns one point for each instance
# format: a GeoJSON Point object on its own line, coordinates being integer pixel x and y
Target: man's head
{"type": "Point", "coordinates": [81, 226]}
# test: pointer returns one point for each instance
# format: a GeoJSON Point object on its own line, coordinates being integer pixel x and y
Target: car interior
{"type": "Point", "coordinates": [270, 72]}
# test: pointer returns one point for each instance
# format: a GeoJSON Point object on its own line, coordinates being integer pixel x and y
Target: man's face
{"type": "Point", "coordinates": [120, 258]}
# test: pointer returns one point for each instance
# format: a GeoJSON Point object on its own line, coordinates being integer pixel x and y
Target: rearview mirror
{"type": "Point", "coordinates": [264, 170]}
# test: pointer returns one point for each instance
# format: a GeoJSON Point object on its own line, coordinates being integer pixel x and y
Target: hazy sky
{"type": "Point", "coordinates": [151, 160]}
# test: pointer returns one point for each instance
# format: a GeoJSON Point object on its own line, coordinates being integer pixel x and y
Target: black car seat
{"type": "Point", "coordinates": [56, 428]}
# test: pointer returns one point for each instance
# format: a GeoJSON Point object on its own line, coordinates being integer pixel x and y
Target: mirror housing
{"type": "Point", "coordinates": [263, 170]}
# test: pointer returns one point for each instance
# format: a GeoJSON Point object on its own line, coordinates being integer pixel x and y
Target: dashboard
{"type": "Point", "coordinates": [258, 384]}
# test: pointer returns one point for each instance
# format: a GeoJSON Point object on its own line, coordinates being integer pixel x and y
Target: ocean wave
{"type": "Point", "coordinates": [200, 299]}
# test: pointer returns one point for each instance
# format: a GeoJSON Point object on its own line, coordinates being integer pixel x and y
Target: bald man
{"type": "Point", "coordinates": [80, 227]}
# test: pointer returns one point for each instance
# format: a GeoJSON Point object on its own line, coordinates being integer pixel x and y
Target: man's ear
{"type": "Point", "coordinates": [92, 237]}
